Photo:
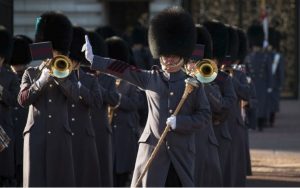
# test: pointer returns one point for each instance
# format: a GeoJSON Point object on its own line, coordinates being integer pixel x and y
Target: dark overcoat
{"type": "Point", "coordinates": [86, 160]}
{"type": "Point", "coordinates": [8, 100]}
{"type": "Point", "coordinates": [164, 92]}
{"type": "Point", "coordinates": [125, 124]}
{"type": "Point", "coordinates": [48, 159]}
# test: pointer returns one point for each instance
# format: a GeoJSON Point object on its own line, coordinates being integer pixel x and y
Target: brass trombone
{"type": "Point", "coordinates": [206, 70]}
{"type": "Point", "coordinates": [60, 66]}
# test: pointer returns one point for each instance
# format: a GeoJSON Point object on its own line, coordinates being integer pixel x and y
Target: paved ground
{"type": "Point", "coordinates": [275, 152]}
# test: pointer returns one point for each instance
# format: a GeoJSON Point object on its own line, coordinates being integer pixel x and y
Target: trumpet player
{"type": "Point", "coordinates": [220, 40]}
{"type": "Point", "coordinates": [86, 160]}
{"type": "Point", "coordinates": [9, 88]}
{"type": "Point", "coordinates": [48, 159]}
{"type": "Point", "coordinates": [172, 38]}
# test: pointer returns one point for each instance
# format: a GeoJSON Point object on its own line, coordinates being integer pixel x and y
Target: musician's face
{"type": "Point", "coordinates": [171, 63]}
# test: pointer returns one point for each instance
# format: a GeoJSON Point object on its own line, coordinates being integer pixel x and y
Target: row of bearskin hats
{"type": "Point", "coordinates": [171, 32]}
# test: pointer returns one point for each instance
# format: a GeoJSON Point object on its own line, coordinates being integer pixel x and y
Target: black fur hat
{"type": "Point", "coordinates": [233, 45]}
{"type": "Point", "coordinates": [203, 37]}
{"type": "Point", "coordinates": [255, 34]}
{"type": "Point", "coordinates": [6, 43]}
{"type": "Point", "coordinates": [105, 31]}
{"type": "Point", "coordinates": [76, 45]}
{"type": "Point", "coordinates": [117, 48]}
{"type": "Point", "coordinates": [274, 38]}
{"type": "Point", "coordinates": [139, 36]}
{"type": "Point", "coordinates": [220, 38]}
{"type": "Point", "coordinates": [57, 28]}
{"type": "Point", "coordinates": [172, 32]}
{"type": "Point", "coordinates": [21, 53]}
{"type": "Point", "coordinates": [243, 45]}
{"type": "Point", "coordinates": [98, 44]}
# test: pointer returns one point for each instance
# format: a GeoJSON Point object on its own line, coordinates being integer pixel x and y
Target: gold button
{"type": "Point", "coordinates": [49, 116]}
{"type": "Point", "coordinates": [73, 134]}
{"type": "Point", "coordinates": [73, 105]}
{"type": "Point", "coordinates": [51, 85]}
{"type": "Point", "coordinates": [50, 100]}
{"type": "Point", "coordinates": [80, 97]}
{"type": "Point", "coordinates": [115, 114]}
{"type": "Point", "coordinates": [49, 132]}
{"type": "Point", "coordinates": [16, 108]}
{"type": "Point", "coordinates": [171, 93]}
{"type": "Point", "coordinates": [73, 119]}
{"type": "Point", "coordinates": [171, 111]}
{"type": "Point", "coordinates": [16, 119]}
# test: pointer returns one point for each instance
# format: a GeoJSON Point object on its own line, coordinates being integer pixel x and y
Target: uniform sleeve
{"type": "Point", "coordinates": [241, 86]}
{"type": "Point", "coordinates": [199, 119]}
{"type": "Point", "coordinates": [91, 97]}
{"type": "Point", "coordinates": [69, 88]}
{"type": "Point", "coordinates": [9, 95]}
{"type": "Point", "coordinates": [29, 91]}
{"type": "Point", "coordinates": [122, 70]}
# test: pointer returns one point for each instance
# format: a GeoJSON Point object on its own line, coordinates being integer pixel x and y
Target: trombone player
{"type": "Point", "coordinates": [48, 160]}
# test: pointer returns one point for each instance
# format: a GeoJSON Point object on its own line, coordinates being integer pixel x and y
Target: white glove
{"type": "Point", "coordinates": [172, 122]}
{"type": "Point", "coordinates": [43, 78]}
{"type": "Point", "coordinates": [87, 48]}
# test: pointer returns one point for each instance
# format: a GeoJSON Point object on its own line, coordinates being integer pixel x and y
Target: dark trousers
{"type": "Point", "coordinates": [172, 178]}
{"type": "Point", "coordinates": [121, 180]}
{"type": "Point", "coordinates": [261, 123]}
{"type": "Point", "coordinates": [272, 119]}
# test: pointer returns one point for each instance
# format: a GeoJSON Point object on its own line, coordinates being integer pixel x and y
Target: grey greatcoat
{"type": "Point", "coordinates": [220, 123]}
{"type": "Point", "coordinates": [208, 171]}
{"type": "Point", "coordinates": [277, 82]}
{"type": "Point", "coordinates": [125, 125]}
{"type": "Point", "coordinates": [258, 65]}
{"type": "Point", "coordinates": [103, 130]}
{"type": "Point", "coordinates": [48, 159]}
{"type": "Point", "coordinates": [238, 130]}
{"type": "Point", "coordinates": [8, 100]}
{"type": "Point", "coordinates": [86, 161]}
{"type": "Point", "coordinates": [164, 92]}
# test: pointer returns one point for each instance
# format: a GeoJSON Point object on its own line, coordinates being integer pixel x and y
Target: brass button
{"type": "Point", "coordinates": [170, 111]}
{"type": "Point", "coordinates": [51, 85]}
{"type": "Point", "coordinates": [171, 93]}
{"type": "Point", "coordinates": [80, 97]}
{"type": "Point", "coordinates": [73, 134]}
{"type": "Point", "coordinates": [50, 100]}
{"type": "Point", "coordinates": [73, 105]}
{"type": "Point", "coordinates": [49, 132]}
{"type": "Point", "coordinates": [115, 114]}
{"type": "Point", "coordinates": [49, 116]}
{"type": "Point", "coordinates": [115, 126]}
{"type": "Point", "coordinates": [73, 119]}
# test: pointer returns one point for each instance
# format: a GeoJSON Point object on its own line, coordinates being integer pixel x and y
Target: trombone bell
{"type": "Point", "coordinates": [60, 66]}
{"type": "Point", "coordinates": [206, 70]}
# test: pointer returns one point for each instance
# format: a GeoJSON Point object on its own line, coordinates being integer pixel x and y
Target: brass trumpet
{"type": "Point", "coordinates": [206, 70]}
{"type": "Point", "coordinates": [60, 66]}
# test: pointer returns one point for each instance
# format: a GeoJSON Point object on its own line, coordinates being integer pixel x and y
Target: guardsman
{"type": "Point", "coordinates": [48, 159]}
{"type": "Point", "coordinates": [236, 124]}
{"type": "Point", "coordinates": [220, 38]}
{"type": "Point", "coordinates": [208, 171]}
{"type": "Point", "coordinates": [86, 160]}
{"type": "Point", "coordinates": [172, 38]}
{"type": "Point", "coordinates": [9, 87]}
{"type": "Point", "coordinates": [20, 59]}
{"type": "Point", "coordinates": [124, 118]}
{"type": "Point", "coordinates": [258, 65]}
{"type": "Point", "coordinates": [277, 74]}
{"type": "Point", "coordinates": [100, 115]}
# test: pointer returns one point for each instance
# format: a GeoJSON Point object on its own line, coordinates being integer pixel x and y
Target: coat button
{"type": "Point", "coordinates": [115, 114]}
{"type": "Point", "coordinates": [80, 97]}
{"type": "Point", "coordinates": [51, 85]}
{"type": "Point", "coordinates": [73, 119]}
{"type": "Point", "coordinates": [50, 100]}
{"type": "Point", "coordinates": [170, 111]}
{"type": "Point", "coordinates": [49, 116]}
{"type": "Point", "coordinates": [73, 105]}
{"type": "Point", "coordinates": [168, 147]}
{"type": "Point", "coordinates": [115, 126]}
{"type": "Point", "coordinates": [49, 132]}
{"type": "Point", "coordinates": [16, 119]}
{"type": "Point", "coordinates": [171, 93]}
{"type": "Point", "coordinates": [16, 108]}
{"type": "Point", "coordinates": [73, 134]}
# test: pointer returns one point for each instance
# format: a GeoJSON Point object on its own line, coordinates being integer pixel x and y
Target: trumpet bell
{"type": "Point", "coordinates": [61, 66]}
{"type": "Point", "coordinates": [206, 71]}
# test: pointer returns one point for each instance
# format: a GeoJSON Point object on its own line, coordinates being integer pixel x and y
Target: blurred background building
{"type": "Point", "coordinates": [19, 16]}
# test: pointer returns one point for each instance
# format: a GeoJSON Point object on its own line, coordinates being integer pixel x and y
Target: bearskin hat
{"type": "Point", "coordinates": [203, 37]}
{"type": "Point", "coordinates": [274, 38]}
{"type": "Point", "coordinates": [21, 52]}
{"type": "Point", "coordinates": [220, 38]}
{"type": "Point", "coordinates": [139, 36]}
{"type": "Point", "coordinates": [172, 32]}
{"type": "Point", "coordinates": [255, 34]}
{"type": "Point", "coordinates": [56, 28]}
{"type": "Point", "coordinates": [6, 43]}
{"type": "Point", "coordinates": [77, 43]}
{"type": "Point", "coordinates": [98, 44]}
{"type": "Point", "coordinates": [243, 45]}
{"type": "Point", "coordinates": [105, 31]}
{"type": "Point", "coordinates": [117, 48]}
{"type": "Point", "coordinates": [233, 45]}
